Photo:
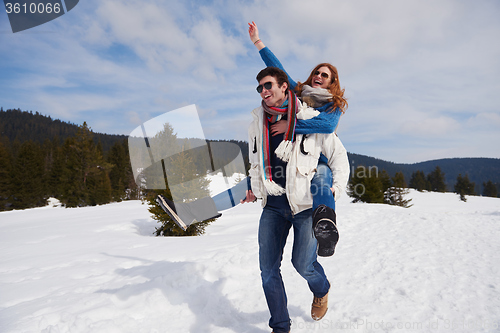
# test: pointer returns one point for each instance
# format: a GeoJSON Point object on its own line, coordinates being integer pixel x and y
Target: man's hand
{"type": "Point", "coordinates": [250, 197]}
{"type": "Point", "coordinates": [279, 127]}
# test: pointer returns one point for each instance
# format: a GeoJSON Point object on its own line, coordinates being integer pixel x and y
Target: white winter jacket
{"type": "Point", "coordinates": [301, 167]}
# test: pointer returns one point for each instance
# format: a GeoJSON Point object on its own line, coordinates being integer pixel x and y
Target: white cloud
{"type": "Point", "coordinates": [170, 43]}
{"type": "Point", "coordinates": [429, 127]}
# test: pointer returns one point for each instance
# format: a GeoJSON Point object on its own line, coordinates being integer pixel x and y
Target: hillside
{"type": "Point", "coordinates": [24, 126]}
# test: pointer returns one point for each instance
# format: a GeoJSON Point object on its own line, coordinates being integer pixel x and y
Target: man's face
{"type": "Point", "coordinates": [273, 95]}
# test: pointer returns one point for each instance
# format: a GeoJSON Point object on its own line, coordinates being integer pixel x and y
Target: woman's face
{"type": "Point", "coordinates": [322, 78]}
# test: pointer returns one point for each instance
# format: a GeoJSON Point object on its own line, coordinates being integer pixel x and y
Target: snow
{"type": "Point", "coordinates": [433, 267]}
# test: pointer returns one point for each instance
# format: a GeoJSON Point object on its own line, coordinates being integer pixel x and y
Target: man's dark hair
{"type": "Point", "coordinates": [275, 72]}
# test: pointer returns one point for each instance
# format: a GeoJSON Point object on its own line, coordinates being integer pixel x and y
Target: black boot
{"type": "Point", "coordinates": [325, 230]}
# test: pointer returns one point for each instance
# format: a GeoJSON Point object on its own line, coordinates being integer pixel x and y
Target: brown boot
{"type": "Point", "coordinates": [319, 307]}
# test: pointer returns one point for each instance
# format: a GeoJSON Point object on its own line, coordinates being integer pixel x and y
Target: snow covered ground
{"type": "Point", "coordinates": [434, 267]}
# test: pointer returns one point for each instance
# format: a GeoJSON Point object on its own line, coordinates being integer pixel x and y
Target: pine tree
{"type": "Point", "coordinates": [27, 180]}
{"type": "Point", "coordinates": [71, 179]}
{"type": "Point", "coordinates": [418, 181]}
{"type": "Point", "coordinates": [464, 187]}
{"type": "Point", "coordinates": [116, 157]}
{"type": "Point", "coordinates": [399, 180]}
{"type": "Point", "coordinates": [182, 174]}
{"type": "Point", "coordinates": [120, 175]}
{"type": "Point", "coordinates": [365, 187]}
{"type": "Point", "coordinates": [85, 175]}
{"type": "Point", "coordinates": [132, 191]}
{"type": "Point", "coordinates": [5, 178]}
{"type": "Point", "coordinates": [489, 189]}
{"type": "Point", "coordinates": [395, 195]}
{"type": "Point", "coordinates": [436, 180]}
{"type": "Point", "coordinates": [55, 162]}
{"type": "Point", "coordinates": [97, 182]}
{"type": "Point", "coordinates": [98, 185]}
{"type": "Point", "coordinates": [385, 180]}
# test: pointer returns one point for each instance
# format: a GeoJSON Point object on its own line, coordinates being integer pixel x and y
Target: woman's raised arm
{"type": "Point", "coordinates": [265, 53]}
{"type": "Point", "coordinates": [253, 31]}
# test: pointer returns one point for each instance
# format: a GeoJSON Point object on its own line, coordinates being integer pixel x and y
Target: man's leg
{"type": "Point", "coordinates": [304, 256]}
{"type": "Point", "coordinates": [305, 262]}
{"type": "Point", "coordinates": [273, 231]}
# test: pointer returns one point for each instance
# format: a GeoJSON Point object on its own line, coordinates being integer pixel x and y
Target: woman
{"type": "Point", "coordinates": [321, 91]}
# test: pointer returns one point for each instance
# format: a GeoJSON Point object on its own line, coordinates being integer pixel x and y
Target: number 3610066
{"type": "Point", "coordinates": [33, 8]}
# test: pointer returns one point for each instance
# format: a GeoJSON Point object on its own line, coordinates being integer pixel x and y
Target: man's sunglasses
{"type": "Point", "coordinates": [267, 85]}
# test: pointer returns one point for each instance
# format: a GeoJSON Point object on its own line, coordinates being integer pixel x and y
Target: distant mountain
{"type": "Point", "coordinates": [24, 126]}
{"type": "Point", "coordinates": [479, 170]}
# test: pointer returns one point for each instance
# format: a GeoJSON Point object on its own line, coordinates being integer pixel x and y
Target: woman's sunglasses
{"type": "Point", "coordinates": [324, 75]}
{"type": "Point", "coordinates": [267, 85]}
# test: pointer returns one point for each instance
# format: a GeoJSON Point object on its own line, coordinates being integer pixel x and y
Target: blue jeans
{"type": "Point", "coordinates": [274, 226]}
{"type": "Point", "coordinates": [321, 187]}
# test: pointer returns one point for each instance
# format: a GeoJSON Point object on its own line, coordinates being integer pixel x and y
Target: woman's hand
{"type": "Point", "coordinates": [279, 127]}
{"type": "Point", "coordinates": [253, 32]}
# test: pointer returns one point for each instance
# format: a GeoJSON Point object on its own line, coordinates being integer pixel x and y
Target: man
{"type": "Point", "coordinates": [281, 171]}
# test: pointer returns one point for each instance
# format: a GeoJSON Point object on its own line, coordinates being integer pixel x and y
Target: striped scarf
{"type": "Point", "coordinates": [284, 150]}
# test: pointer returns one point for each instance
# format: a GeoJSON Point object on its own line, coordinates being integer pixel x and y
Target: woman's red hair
{"type": "Point", "coordinates": [338, 99]}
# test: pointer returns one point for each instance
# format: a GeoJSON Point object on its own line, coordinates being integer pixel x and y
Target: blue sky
{"type": "Point", "coordinates": [422, 77]}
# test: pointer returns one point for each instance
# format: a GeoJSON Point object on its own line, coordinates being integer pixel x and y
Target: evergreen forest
{"type": "Point", "coordinates": [41, 157]}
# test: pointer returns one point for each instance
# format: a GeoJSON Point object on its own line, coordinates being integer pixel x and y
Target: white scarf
{"type": "Point", "coordinates": [315, 97]}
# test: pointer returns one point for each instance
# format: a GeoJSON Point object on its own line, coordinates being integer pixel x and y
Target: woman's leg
{"type": "Point", "coordinates": [324, 218]}
{"type": "Point", "coordinates": [321, 185]}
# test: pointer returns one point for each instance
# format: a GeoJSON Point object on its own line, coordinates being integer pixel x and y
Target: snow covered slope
{"type": "Point", "coordinates": [434, 267]}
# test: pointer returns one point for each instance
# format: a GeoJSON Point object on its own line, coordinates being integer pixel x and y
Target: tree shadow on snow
{"type": "Point", "coordinates": [184, 283]}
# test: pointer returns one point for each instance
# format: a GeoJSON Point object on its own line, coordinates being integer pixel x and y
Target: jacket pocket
{"type": "Point", "coordinates": [302, 188]}
{"type": "Point", "coordinates": [306, 171]}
